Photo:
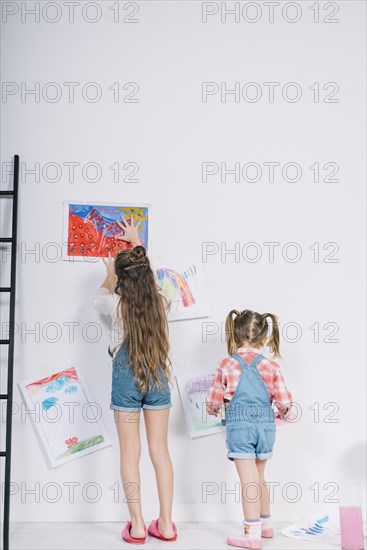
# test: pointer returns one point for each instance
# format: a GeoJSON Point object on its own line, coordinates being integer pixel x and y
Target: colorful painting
{"type": "Point", "coordinates": [322, 529]}
{"type": "Point", "coordinates": [193, 392]}
{"type": "Point", "coordinates": [66, 417]}
{"type": "Point", "coordinates": [90, 230]}
{"type": "Point", "coordinates": [184, 287]}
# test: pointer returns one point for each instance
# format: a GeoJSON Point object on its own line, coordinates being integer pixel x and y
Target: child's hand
{"type": "Point", "coordinates": [111, 278]}
{"type": "Point", "coordinates": [130, 232]}
{"type": "Point", "coordinates": [213, 409]}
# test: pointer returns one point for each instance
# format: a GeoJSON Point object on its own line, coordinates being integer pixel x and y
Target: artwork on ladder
{"type": "Point", "coordinates": [183, 284]}
{"type": "Point", "coordinates": [90, 229]}
{"type": "Point", "coordinates": [66, 417]}
{"type": "Point", "coordinates": [193, 392]}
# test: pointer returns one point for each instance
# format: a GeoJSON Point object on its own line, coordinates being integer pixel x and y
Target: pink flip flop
{"type": "Point", "coordinates": [125, 533]}
{"type": "Point", "coordinates": [154, 532]}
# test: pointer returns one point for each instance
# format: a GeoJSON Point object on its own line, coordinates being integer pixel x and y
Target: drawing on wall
{"type": "Point", "coordinates": [193, 392]}
{"type": "Point", "coordinates": [67, 419]}
{"type": "Point", "coordinates": [90, 230]}
{"type": "Point", "coordinates": [183, 285]}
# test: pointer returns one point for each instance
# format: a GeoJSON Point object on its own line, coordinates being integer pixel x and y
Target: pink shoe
{"type": "Point", "coordinates": [267, 533]}
{"type": "Point", "coordinates": [125, 533]}
{"type": "Point", "coordinates": [154, 532]}
{"type": "Point", "coordinates": [242, 543]}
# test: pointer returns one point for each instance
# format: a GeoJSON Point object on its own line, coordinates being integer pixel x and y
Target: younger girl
{"type": "Point", "coordinates": [249, 384]}
{"type": "Point", "coordinates": [140, 379]}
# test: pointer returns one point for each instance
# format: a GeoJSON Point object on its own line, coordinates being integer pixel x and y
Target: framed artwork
{"type": "Point", "coordinates": [193, 392]}
{"type": "Point", "coordinates": [90, 229]}
{"type": "Point", "coordinates": [182, 282]}
{"type": "Point", "coordinates": [66, 417]}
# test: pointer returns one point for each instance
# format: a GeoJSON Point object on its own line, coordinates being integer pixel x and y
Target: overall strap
{"type": "Point", "coordinates": [237, 357]}
{"type": "Point", "coordinates": [256, 360]}
{"type": "Point", "coordinates": [240, 360]}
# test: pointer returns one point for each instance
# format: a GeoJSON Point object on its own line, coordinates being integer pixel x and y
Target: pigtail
{"type": "Point", "coordinates": [230, 339]}
{"type": "Point", "coordinates": [274, 340]}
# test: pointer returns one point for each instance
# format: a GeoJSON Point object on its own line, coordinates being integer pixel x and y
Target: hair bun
{"type": "Point", "coordinates": [138, 254]}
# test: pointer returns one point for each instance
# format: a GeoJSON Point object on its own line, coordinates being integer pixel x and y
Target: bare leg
{"type": "Point", "coordinates": [156, 423]}
{"type": "Point", "coordinates": [127, 425]}
{"type": "Point", "coordinates": [265, 501]}
{"type": "Point", "coordinates": [250, 488]}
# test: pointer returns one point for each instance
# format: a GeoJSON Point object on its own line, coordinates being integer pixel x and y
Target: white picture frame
{"type": "Point", "coordinates": [183, 283]}
{"type": "Point", "coordinates": [193, 391]}
{"type": "Point", "coordinates": [76, 415]}
{"type": "Point", "coordinates": [67, 256]}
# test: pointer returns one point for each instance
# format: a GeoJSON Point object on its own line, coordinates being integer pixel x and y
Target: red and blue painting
{"type": "Point", "coordinates": [91, 229]}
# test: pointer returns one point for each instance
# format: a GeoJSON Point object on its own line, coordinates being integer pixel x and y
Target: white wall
{"type": "Point", "coordinates": [169, 133]}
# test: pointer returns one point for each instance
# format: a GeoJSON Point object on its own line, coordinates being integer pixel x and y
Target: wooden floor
{"type": "Point", "coordinates": [106, 536]}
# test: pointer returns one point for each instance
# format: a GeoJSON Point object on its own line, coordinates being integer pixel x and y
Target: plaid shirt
{"type": "Point", "coordinates": [228, 374]}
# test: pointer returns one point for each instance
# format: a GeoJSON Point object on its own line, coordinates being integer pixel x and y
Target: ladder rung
{"type": "Point", "coordinates": [6, 240]}
{"type": "Point", "coordinates": [3, 396]}
{"type": "Point", "coordinates": [6, 193]}
{"type": "Point", "coordinates": [5, 289]}
{"type": "Point", "coordinates": [4, 342]}
{"type": "Point", "coordinates": [2, 453]}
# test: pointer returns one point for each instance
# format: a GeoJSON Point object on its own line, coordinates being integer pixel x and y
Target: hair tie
{"type": "Point", "coordinates": [134, 266]}
{"type": "Point", "coordinates": [138, 255]}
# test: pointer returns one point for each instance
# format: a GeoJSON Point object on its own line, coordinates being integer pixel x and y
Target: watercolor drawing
{"type": "Point", "coordinates": [193, 392]}
{"type": "Point", "coordinates": [183, 285]}
{"type": "Point", "coordinates": [90, 230]}
{"type": "Point", "coordinates": [323, 529]}
{"type": "Point", "coordinates": [66, 417]}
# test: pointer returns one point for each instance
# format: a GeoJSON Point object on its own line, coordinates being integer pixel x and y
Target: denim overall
{"type": "Point", "coordinates": [250, 416]}
{"type": "Point", "coordinates": [125, 395]}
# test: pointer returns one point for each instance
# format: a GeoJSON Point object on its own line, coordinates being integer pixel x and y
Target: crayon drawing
{"type": "Point", "coordinates": [66, 417]}
{"type": "Point", "coordinates": [193, 392]}
{"type": "Point", "coordinates": [184, 287]}
{"type": "Point", "coordinates": [90, 230]}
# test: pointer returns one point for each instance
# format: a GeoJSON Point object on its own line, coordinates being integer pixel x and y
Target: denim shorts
{"type": "Point", "coordinates": [125, 395]}
{"type": "Point", "coordinates": [250, 440]}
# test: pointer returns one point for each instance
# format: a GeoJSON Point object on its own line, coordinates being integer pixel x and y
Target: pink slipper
{"type": "Point", "coordinates": [125, 533]}
{"type": "Point", "coordinates": [154, 532]}
{"type": "Point", "coordinates": [242, 543]}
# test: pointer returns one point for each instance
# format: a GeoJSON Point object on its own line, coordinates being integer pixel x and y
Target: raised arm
{"type": "Point", "coordinates": [105, 299]}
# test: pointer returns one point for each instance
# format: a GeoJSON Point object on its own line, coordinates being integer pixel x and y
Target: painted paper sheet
{"type": "Point", "coordinates": [324, 529]}
{"type": "Point", "coordinates": [66, 417]}
{"type": "Point", "coordinates": [193, 392]}
{"type": "Point", "coordinates": [183, 284]}
{"type": "Point", "coordinates": [90, 229]}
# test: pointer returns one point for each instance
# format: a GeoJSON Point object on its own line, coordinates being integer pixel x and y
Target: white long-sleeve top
{"type": "Point", "coordinates": [106, 303]}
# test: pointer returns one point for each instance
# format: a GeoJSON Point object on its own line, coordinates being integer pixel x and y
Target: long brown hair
{"type": "Point", "coordinates": [252, 327]}
{"type": "Point", "coordinates": [143, 317]}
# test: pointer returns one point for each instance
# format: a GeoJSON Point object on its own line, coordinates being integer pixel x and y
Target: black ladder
{"type": "Point", "coordinates": [10, 342]}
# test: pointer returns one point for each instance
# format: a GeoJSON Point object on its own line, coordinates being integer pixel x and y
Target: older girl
{"type": "Point", "coordinates": [130, 296]}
